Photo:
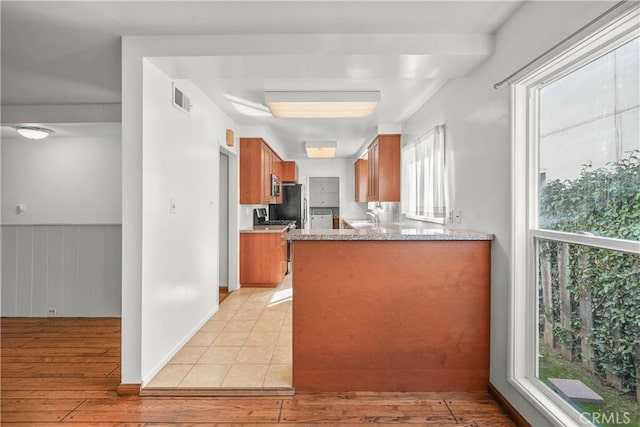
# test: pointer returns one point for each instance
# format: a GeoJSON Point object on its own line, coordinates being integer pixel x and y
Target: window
{"type": "Point", "coordinates": [423, 178]}
{"type": "Point", "coordinates": [576, 269]}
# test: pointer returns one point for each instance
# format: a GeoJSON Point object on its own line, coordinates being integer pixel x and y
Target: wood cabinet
{"type": "Point", "coordinates": [289, 172]}
{"type": "Point", "coordinates": [263, 259]}
{"type": "Point", "coordinates": [362, 177]}
{"type": "Point", "coordinates": [257, 162]}
{"type": "Point", "coordinates": [383, 175]}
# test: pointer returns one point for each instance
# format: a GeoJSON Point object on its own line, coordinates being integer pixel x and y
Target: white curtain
{"type": "Point", "coordinates": [423, 177]}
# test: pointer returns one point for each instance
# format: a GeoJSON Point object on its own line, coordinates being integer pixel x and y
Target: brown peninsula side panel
{"type": "Point", "coordinates": [391, 315]}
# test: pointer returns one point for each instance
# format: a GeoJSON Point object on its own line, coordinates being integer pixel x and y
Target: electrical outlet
{"type": "Point", "coordinates": [457, 216]}
{"type": "Point", "coordinates": [52, 312]}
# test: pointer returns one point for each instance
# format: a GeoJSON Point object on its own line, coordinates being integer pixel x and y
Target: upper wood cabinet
{"type": "Point", "coordinates": [289, 172]}
{"type": "Point", "coordinates": [362, 177]}
{"type": "Point", "coordinates": [257, 163]}
{"type": "Point", "coordinates": [383, 175]}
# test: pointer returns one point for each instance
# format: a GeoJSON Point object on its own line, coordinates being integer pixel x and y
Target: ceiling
{"type": "Point", "coordinates": [69, 53]}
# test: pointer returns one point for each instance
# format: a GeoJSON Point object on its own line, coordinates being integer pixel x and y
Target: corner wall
{"type": "Point", "coordinates": [478, 156]}
{"type": "Point", "coordinates": [180, 249]}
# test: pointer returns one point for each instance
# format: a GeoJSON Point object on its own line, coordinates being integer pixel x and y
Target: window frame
{"type": "Point", "coordinates": [523, 334]}
{"type": "Point", "coordinates": [435, 131]}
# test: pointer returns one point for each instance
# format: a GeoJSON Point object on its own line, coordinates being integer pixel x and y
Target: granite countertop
{"type": "Point", "coordinates": [265, 229]}
{"type": "Point", "coordinates": [400, 231]}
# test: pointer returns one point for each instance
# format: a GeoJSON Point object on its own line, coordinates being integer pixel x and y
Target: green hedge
{"type": "Point", "coordinates": [603, 202]}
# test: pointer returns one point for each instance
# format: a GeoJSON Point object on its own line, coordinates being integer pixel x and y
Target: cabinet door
{"type": "Point", "coordinates": [331, 200]}
{"type": "Point", "coordinates": [372, 191]}
{"type": "Point", "coordinates": [361, 180]}
{"type": "Point", "coordinates": [283, 255]}
{"type": "Point", "coordinates": [289, 172]}
{"type": "Point", "coordinates": [330, 185]}
{"type": "Point", "coordinates": [266, 174]}
{"type": "Point", "coordinates": [315, 185]}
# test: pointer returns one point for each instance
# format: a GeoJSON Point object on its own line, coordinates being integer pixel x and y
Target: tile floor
{"type": "Point", "coordinates": [246, 344]}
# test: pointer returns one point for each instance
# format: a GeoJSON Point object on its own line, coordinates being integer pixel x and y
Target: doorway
{"type": "Point", "coordinates": [223, 228]}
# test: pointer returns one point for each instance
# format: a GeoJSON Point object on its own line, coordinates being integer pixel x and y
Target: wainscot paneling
{"type": "Point", "coordinates": [74, 269]}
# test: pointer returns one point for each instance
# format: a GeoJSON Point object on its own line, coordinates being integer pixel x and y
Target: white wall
{"type": "Point", "coordinates": [62, 180]}
{"type": "Point", "coordinates": [477, 120]}
{"type": "Point", "coordinates": [64, 251]}
{"type": "Point", "coordinates": [179, 251]}
{"type": "Point", "coordinates": [341, 168]}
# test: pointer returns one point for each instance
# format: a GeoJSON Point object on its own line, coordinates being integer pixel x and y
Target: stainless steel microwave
{"type": "Point", "coordinates": [275, 185]}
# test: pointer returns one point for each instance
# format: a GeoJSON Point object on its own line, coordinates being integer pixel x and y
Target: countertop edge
{"type": "Point", "coordinates": [264, 229]}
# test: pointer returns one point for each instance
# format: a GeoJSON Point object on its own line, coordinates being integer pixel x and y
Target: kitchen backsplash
{"type": "Point", "coordinates": [390, 212]}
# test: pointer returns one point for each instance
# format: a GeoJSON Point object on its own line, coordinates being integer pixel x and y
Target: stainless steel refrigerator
{"type": "Point", "coordinates": [293, 206]}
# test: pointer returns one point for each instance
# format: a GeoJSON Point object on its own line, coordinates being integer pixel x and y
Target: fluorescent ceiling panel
{"type": "Point", "coordinates": [321, 105]}
{"type": "Point", "coordinates": [321, 150]}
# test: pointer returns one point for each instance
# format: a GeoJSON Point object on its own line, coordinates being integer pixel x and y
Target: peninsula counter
{"type": "Point", "coordinates": [391, 309]}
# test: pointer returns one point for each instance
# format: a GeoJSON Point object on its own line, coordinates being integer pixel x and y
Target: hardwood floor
{"type": "Point", "coordinates": [66, 371]}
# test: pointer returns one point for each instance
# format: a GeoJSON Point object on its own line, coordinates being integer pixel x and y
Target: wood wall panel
{"type": "Point", "coordinates": [73, 268]}
{"type": "Point", "coordinates": [391, 316]}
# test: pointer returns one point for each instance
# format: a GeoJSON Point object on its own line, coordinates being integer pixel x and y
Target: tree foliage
{"type": "Point", "coordinates": [602, 202]}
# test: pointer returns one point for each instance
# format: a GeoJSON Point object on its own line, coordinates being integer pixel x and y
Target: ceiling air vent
{"type": "Point", "coordinates": [180, 100]}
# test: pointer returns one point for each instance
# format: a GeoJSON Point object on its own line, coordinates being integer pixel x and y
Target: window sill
{"type": "Point", "coordinates": [432, 220]}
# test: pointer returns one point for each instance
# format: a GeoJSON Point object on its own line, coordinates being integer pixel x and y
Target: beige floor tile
{"type": "Point", "coordinates": [285, 339]}
{"type": "Point", "coordinates": [254, 356]}
{"type": "Point", "coordinates": [245, 376]}
{"type": "Point", "coordinates": [202, 339]}
{"type": "Point", "coordinates": [287, 325]}
{"type": "Point", "coordinates": [282, 356]}
{"type": "Point", "coordinates": [247, 314]}
{"type": "Point", "coordinates": [219, 355]}
{"type": "Point", "coordinates": [205, 376]}
{"type": "Point", "coordinates": [278, 308]}
{"type": "Point", "coordinates": [214, 325]}
{"type": "Point", "coordinates": [169, 376]}
{"type": "Point", "coordinates": [260, 338]}
{"type": "Point", "coordinates": [254, 305]}
{"type": "Point", "coordinates": [239, 326]}
{"type": "Point", "coordinates": [188, 355]}
{"type": "Point", "coordinates": [243, 291]}
{"type": "Point", "coordinates": [269, 316]}
{"type": "Point", "coordinates": [224, 315]}
{"type": "Point", "coordinates": [227, 339]}
{"type": "Point", "coordinates": [269, 326]}
{"type": "Point", "coordinates": [278, 376]}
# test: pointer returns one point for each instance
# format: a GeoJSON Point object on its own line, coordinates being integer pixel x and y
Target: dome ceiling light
{"type": "Point", "coordinates": [33, 132]}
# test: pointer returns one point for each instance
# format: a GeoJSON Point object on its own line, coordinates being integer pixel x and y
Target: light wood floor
{"type": "Point", "coordinates": [66, 371]}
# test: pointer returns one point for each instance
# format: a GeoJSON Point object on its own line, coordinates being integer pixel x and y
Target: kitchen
{"type": "Point", "coordinates": [170, 191]}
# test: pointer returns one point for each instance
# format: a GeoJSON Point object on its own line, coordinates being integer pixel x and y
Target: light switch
{"type": "Point", "coordinates": [173, 205]}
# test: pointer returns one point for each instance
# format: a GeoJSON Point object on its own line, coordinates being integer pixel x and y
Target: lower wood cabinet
{"type": "Point", "coordinates": [263, 259]}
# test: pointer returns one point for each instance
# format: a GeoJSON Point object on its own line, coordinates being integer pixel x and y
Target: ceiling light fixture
{"type": "Point", "coordinates": [321, 149]}
{"type": "Point", "coordinates": [33, 132]}
{"type": "Point", "coordinates": [322, 105]}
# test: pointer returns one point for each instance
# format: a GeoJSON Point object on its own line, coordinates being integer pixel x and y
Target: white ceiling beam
{"type": "Point", "coordinates": [64, 113]}
{"type": "Point", "coordinates": [316, 44]}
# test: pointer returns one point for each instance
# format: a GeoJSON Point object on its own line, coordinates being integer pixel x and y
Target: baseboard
{"type": "Point", "coordinates": [517, 418]}
{"type": "Point", "coordinates": [216, 392]}
{"type": "Point", "coordinates": [128, 390]}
